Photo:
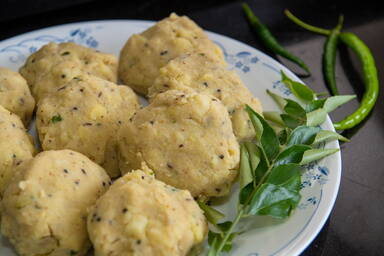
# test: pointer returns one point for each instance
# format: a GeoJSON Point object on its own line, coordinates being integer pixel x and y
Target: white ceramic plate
{"type": "Point", "coordinates": [259, 72]}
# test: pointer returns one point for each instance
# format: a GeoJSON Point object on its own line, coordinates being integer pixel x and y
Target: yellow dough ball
{"type": "Point", "coordinates": [202, 74]}
{"type": "Point", "coordinates": [15, 95]}
{"type": "Point", "coordinates": [55, 64]}
{"type": "Point", "coordinates": [187, 139]}
{"type": "Point", "coordinates": [15, 146]}
{"type": "Point", "coordinates": [145, 53]}
{"type": "Point", "coordinates": [84, 115]}
{"type": "Point", "coordinates": [141, 216]}
{"type": "Point", "coordinates": [44, 209]}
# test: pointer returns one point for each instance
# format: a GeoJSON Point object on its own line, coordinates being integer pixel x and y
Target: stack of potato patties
{"type": "Point", "coordinates": [182, 146]}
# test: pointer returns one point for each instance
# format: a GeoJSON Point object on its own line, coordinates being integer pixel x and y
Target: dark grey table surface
{"type": "Point", "coordinates": [356, 224]}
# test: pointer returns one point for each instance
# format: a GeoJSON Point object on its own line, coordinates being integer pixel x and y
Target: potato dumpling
{"type": "Point", "coordinates": [145, 53]}
{"type": "Point", "coordinates": [204, 75]}
{"type": "Point", "coordinates": [15, 95]}
{"type": "Point", "coordinates": [141, 216]}
{"type": "Point", "coordinates": [84, 115]}
{"type": "Point", "coordinates": [44, 209]}
{"type": "Point", "coordinates": [187, 139]}
{"type": "Point", "coordinates": [16, 146]}
{"type": "Point", "coordinates": [55, 64]}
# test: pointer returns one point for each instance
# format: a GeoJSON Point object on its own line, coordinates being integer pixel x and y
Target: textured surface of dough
{"type": "Point", "coordinates": [187, 139]}
{"type": "Point", "coordinates": [84, 115]}
{"type": "Point", "coordinates": [15, 146]}
{"type": "Point", "coordinates": [45, 205]}
{"type": "Point", "coordinates": [15, 95]}
{"type": "Point", "coordinates": [145, 53]}
{"type": "Point", "coordinates": [55, 64]}
{"type": "Point", "coordinates": [141, 216]}
{"type": "Point", "coordinates": [203, 75]}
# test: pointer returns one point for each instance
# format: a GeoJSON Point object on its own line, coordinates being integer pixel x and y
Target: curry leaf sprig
{"type": "Point", "coordinates": [271, 165]}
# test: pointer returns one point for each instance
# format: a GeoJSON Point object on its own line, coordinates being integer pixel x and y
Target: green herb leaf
{"type": "Point", "coordinates": [325, 135]}
{"type": "Point", "coordinates": [274, 117]}
{"type": "Point", "coordinates": [261, 168]}
{"type": "Point", "coordinates": [280, 101]}
{"type": "Point", "coordinates": [316, 117]}
{"type": "Point", "coordinates": [300, 90]}
{"type": "Point", "coordinates": [56, 118]}
{"type": "Point", "coordinates": [246, 172]}
{"type": "Point", "coordinates": [267, 195]}
{"type": "Point", "coordinates": [291, 121]}
{"type": "Point", "coordinates": [334, 102]}
{"type": "Point", "coordinates": [228, 244]}
{"type": "Point", "coordinates": [283, 136]}
{"type": "Point", "coordinates": [292, 154]}
{"type": "Point", "coordinates": [245, 193]}
{"type": "Point", "coordinates": [254, 155]}
{"type": "Point", "coordinates": [225, 226]}
{"type": "Point", "coordinates": [314, 105]}
{"type": "Point", "coordinates": [268, 139]}
{"type": "Point", "coordinates": [280, 210]}
{"type": "Point", "coordinates": [294, 109]}
{"type": "Point", "coordinates": [317, 154]}
{"type": "Point", "coordinates": [213, 241]}
{"type": "Point", "coordinates": [284, 174]}
{"type": "Point", "coordinates": [212, 215]}
{"type": "Point", "coordinates": [303, 135]}
{"type": "Point", "coordinates": [257, 125]}
{"type": "Point", "coordinates": [288, 176]}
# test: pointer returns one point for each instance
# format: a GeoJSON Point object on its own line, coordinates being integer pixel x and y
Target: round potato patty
{"type": "Point", "coordinates": [202, 74]}
{"type": "Point", "coordinates": [84, 115]}
{"type": "Point", "coordinates": [55, 64]}
{"type": "Point", "coordinates": [187, 139]}
{"type": "Point", "coordinates": [16, 146]}
{"type": "Point", "coordinates": [142, 216]}
{"type": "Point", "coordinates": [44, 209]}
{"type": "Point", "coordinates": [143, 54]}
{"type": "Point", "coordinates": [15, 95]}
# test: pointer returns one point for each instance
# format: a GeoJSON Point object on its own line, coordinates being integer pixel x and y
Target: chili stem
{"type": "Point", "coordinates": [306, 26]}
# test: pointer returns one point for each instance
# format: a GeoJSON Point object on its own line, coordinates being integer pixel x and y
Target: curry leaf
{"type": "Point", "coordinates": [274, 117]}
{"type": "Point", "coordinates": [295, 109]}
{"type": "Point", "coordinates": [283, 136]}
{"type": "Point", "coordinates": [303, 135]}
{"type": "Point", "coordinates": [212, 215]}
{"type": "Point", "coordinates": [254, 155]}
{"type": "Point", "coordinates": [246, 172]}
{"type": "Point", "coordinates": [315, 104]}
{"type": "Point", "coordinates": [300, 90]}
{"type": "Point", "coordinates": [325, 135]}
{"type": "Point", "coordinates": [268, 139]}
{"type": "Point", "coordinates": [280, 101]}
{"type": "Point", "coordinates": [334, 102]}
{"type": "Point", "coordinates": [316, 117]}
{"type": "Point", "coordinates": [267, 195]}
{"type": "Point", "coordinates": [291, 121]}
{"type": "Point", "coordinates": [317, 154]}
{"type": "Point", "coordinates": [292, 154]}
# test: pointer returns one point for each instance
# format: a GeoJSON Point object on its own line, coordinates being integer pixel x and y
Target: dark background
{"type": "Point", "coordinates": [356, 225]}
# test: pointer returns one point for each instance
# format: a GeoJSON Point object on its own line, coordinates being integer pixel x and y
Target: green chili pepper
{"type": "Point", "coordinates": [329, 57]}
{"type": "Point", "coordinates": [269, 40]}
{"type": "Point", "coordinates": [371, 81]}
